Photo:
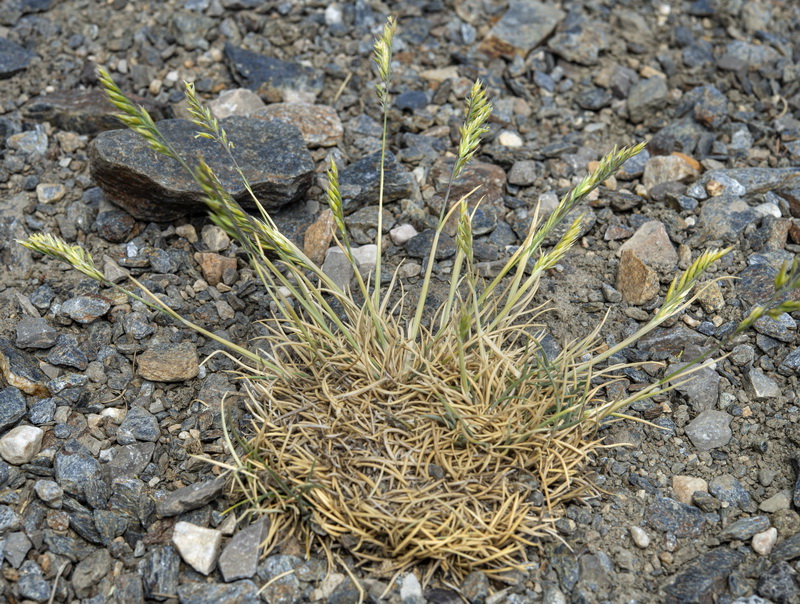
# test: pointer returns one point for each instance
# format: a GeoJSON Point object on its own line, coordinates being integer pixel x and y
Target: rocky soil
{"type": "Point", "coordinates": [104, 404]}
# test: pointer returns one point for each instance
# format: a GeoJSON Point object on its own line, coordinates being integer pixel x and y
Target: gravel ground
{"type": "Point", "coordinates": [103, 403]}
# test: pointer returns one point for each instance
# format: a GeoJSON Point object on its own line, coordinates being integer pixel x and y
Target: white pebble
{"type": "Point", "coordinates": [402, 234]}
{"type": "Point", "coordinates": [639, 537]}
{"type": "Point", "coordinates": [198, 546]}
{"type": "Point", "coordinates": [763, 542]}
{"type": "Point", "coordinates": [21, 444]}
{"type": "Point", "coordinates": [509, 139]}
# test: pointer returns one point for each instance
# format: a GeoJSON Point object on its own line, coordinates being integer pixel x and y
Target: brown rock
{"type": "Point", "coordinates": [318, 237]}
{"type": "Point", "coordinates": [489, 179]}
{"type": "Point", "coordinates": [213, 266]}
{"type": "Point", "coordinates": [668, 168]}
{"type": "Point", "coordinates": [636, 281]}
{"type": "Point", "coordinates": [21, 370]}
{"type": "Point", "coordinates": [710, 296]}
{"type": "Point", "coordinates": [685, 486]}
{"type": "Point", "coordinates": [169, 362]}
{"type": "Point", "coordinates": [651, 244]}
{"type": "Point", "coordinates": [319, 124]}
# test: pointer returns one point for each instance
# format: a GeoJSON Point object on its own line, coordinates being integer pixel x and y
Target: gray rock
{"type": "Point", "coordinates": [139, 425]}
{"type": "Point", "coordinates": [73, 549]}
{"type": "Point", "coordinates": [239, 559]}
{"type": "Point", "coordinates": [525, 25]}
{"type": "Point", "coordinates": [191, 497]}
{"type": "Point", "coordinates": [566, 566]}
{"type": "Point", "coordinates": [286, 589]}
{"type": "Point", "coordinates": [784, 328]}
{"type": "Point", "coordinates": [86, 309]}
{"type": "Point", "coordinates": [89, 571]}
{"type": "Point", "coordinates": [704, 578]}
{"type": "Point", "coordinates": [21, 371]}
{"type": "Point", "coordinates": [35, 332]}
{"type": "Point", "coordinates": [726, 216]}
{"type": "Point", "coordinates": [241, 592]}
{"type": "Point", "coordinates": [760, 386]}
{"type": "Point", "coordinates": [359, 182]}
{"type": "Point", "coordinates": [9, 520]}
{"type": "Point", "coordinates": [645, 98]}
{"type": "Point", "coordinates": [42, 412]}
{"type": "Point", "coordinates": [420, 245]}
{"type": "Point", "coordinates": [754, 180]}
{"type": "Point", "coordinates": [73, 470]}
{"type": "Point", "coordinates": [32, 584]}
{"type": "Point", "coordinates": [109, 525]}
{"type": "Point", "coordinates": [12, 407]}
{"type": "Point", "coordinates": [67, 354]}
{"type": "Point", "coordinates": [791, 363]}
{"type": "Point", "coordinates": [701, 388]}
{"type": "Point", "coordinates": [682, 135]}
{"type": "Point", "coordinates": [581, 41]}
{"type": "Point", "coordinates": [272, 155]}
{"type": "Point", "coordinates": [475, 587]}
{"type": "Point", "coordinates": [779, 584]}
{"type": "Point", "coordinates": [272, 78]}
{"type": "Point", "coordinates": [49, 492]}
{"type": "Point", "coordinates": [729, 490]}
{"type": "Point", "coordinates": [788, 549]}
{"type": "Point", "coordinates": [739, 54]}
{"type": "Point", "coordinates": [668, 515]}
{"type": "Point", "coordinates": [128, 588]}
{"type": "Point", "coordinates": [709, 430]}
{"type": "Point", "coordinates": [338, 267]}
{"type": "Point", "coordinates": [13, 58]}
{"type": "Point", "coordinates": [16, 548]}
{"type": "Point", "coordinates": [744, 528]}
{"type": "Point", "coordinates": [130, 460]}
{"type": "Point", "coordinates": [115, 225]}
{"type": "Point", "coordinates": [159, 571]}
{"type": "Point", "coordinates": [707, 104]}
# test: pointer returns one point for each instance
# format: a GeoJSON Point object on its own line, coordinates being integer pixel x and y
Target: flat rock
{"type": "Point", "coordinates": [645, 98]}
{"type": "Point", "coordinates": [525, 25]}
{"type": "Point", "coordinates": [726, 216]}
{"type": "Point", "coordinates": [241, 592]}
{"type": "Point", "coordinates": [86, 309]}
{"type": "Point", "coordinates": [580, 42]}
{"type": "Point", "coordinates": [149, 186]}
{"type": "Point", "coordinates": [35, 332]}
{"type": "Point", "coordinates": [85, 111]}
{"type": "Point", "coordinates": [271, 78]}
{"type": "Point", "coordinates": [359, 182]}
{"type": "Point", "coordinates": [754, 180]}
{"type": "Point", "coordinates": [167, 362]}
{"type": "Point", "coordinates": [12, 407]}
{"type": "Point", "coordinates": [729, 490]}
{"type": "Point", "coordinates": [760, 386]}
{"type": "Point", "coordinates": [668, 515]}
{"type": "Point", "coordinates": [778, 584]}
{"type": "Point", "coordinates": [667, 168]}
{"type": "Point", "coordinates": [239, 559]}
{"type": "Point", "coordinates": [709, 430]}
{"type": "Point", "coordinates": [704, 578]}
{"type": "Point", "coordinates": [130, 460]}
{"type": "Point", "coordinates": [319, 124]}
{"type": "Point", "coordinates": [139, 425]}
{"type": "Point", "coordinates": [21, 371]}
{"type": "Point", "coordinates": [191, 497]}
{"type": "Point", "coordinates": [13, 58]}
{"type": "Point", "coordinates": [636, 281]}
{"type": "Point", "coordinates": [744, 528]}
{"type": "Point", "coordinates": [73, 471]}
{"type": "Point", "coordinates": [652, 246]}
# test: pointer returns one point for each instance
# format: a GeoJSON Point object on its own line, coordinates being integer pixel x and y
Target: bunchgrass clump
{"type": "Point", "coordinates": [451, 440]}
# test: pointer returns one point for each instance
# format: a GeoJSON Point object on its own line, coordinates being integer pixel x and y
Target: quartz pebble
{"type": "Point", "coordinates": [21, 444]}
{"type": "Point", "coordinates": [763, 542]}
{"type": "Point", "coordinates": [639, 536]}
{"type": "Point", "coordinates": [198, 546]}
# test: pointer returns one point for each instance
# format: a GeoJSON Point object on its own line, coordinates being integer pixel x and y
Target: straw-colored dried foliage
{"type": "Point", "coordinates": [450, 439]}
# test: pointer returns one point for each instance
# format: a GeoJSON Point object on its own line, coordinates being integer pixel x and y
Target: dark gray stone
{"type": "Point", "coordinates": [239, 559]}
{"type": "Point", "coordinates": [159, 571]}
{"type": "Point", "coordinates": [744, 528]}
{"type": "Point", "coordinates": [791, 363]}
{"type": "Point", "coordinates": [706, 103]}
{"type": "Point", "coordinates": [701, 388]}
{"type": "Point", "coordinates": [271, 77]}
{"type": "Point", "coordinates": [788, 549]}
{"type": "Point", "coordinates": [139, 425]}
{"type": "Point", "coordinates": [581, 41]}
{"type": "Point", "coordinates": [419, 246]}
{"type": "Point", "coordinates": [9, 520]}
{"type": "Point", "coordinates": [241, 592]}
{"type": "Point", "coordinates": [12, 407]}
{"type": "Point", "coordinates": [128, 588]}
{"type": "Point", "coordinates": [411, 100]}
{"type": "Point", "coordinates": [73, 549]}
{"type": "Point", "coordinates": [525, 25]}
{"type": "Point", "coordinates": [286, 589]}
{"type": "Point", "coordinates": [359, 182]}
{"type": "Point", "coordinates": [67, 354]}
{"type": "Point", "coordinates": [779, 584]}
{"type": "Point", "coordinates": [16, 548]}
{"type": "Point", "coordinates": [704, 578]}
{"type": "Point", "coordinates": [73, 470]}
{"type": "Point", "coordinates": [13, 58]}
{"type": "Point", "coordinates": [726, 216]}
{"type": "Point", "coordinates": [86, 309]}
{"type": "Point", "coordinates": [190, 498]}
{"type": "Point", "coordinates": [593, 99]}
{"type": "Point", "coordinates": [682, 135]}
{"type": "Point", "coordinates": [149, 186]}
{"type": "Point", "coordinates": [110, 525]}
{"type": "Point", "coordinates": [32, 584]}
{"type": "Point", "coordinates": [728, 489]}
{"type": "Point", "coordinates": [35, 332]}
{"type": "Point", "coordinates": [670, 516]}
{"type": "Point", "coordinates": [475, 587]}
{"type": "Point", "coordinates": [21, 370]}
{"type": "Point", "coordinates": [784, 328]}
{"type": "Point", "coordinates": [42, 412]}
{"type": "Point", "coordinates": [115, 225]}
{"type": "Point", "coordinates": [130, 460]}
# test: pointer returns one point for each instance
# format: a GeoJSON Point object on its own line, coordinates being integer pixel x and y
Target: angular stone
{"type": "Point", "coordinates": [49, 492]}
{"type": "Point", "coordinates": [198, 546]}
{"type": "Point", "coordinates": [783, 328]}
{"type": "Point", "coordinates": [149, 186]}
{"type": "Point", "coordinates": [273, 79]}
{"type": "Point", "coordinates": [85, 111]}
{"type": "Point", "coordinates": [359, 182]}
{"type": "Point", "coordinates": [16, 548]}
{"type": "Point", "coordinates": [31, 583]}
{"type": "Point", "coordinates": [12, 407]}
{"type": "Point", "coordinates": [685, 487]}
{"type": "Point", "coordinates": [668, 515]}
{"type": "Point", "coordinates": [366, 258]}
{"type": "Point", "coordinates": [89, 571]}
{"type": "Point", "coordinates": [20, 371]}
{"type": "Point", "coordinates": [338, 268]}
{"type": "Point", "coordinates": [191, 497]}
{"type": "Point", "coordinates": [213, 266]}
{"type": "Point", "coordinates": [760, 386]}
{"type": "Point", "coordinates": [318, 237]}
{"type": "Point", "coordinates": [636, 281]}
{"type": "Point", "coordinates": [701, 388]}
{"type": "Point", "coordinates": [73, 471]}
{"type": "Point", "coordinates": [726, 216]}
{"type": "Point", "coordinates": [159, 571]}
{"type": "Point", "coordinates": [646, 98]}
{"type": "Point", "coordinates": [704, 578]}
{"type": "Point", "coordinates": [667, 168]}
{"type": "Point", "coordinates": [779, 501]}
{"type": "Point", "coordinates": [729, 490]}
{"type": "Point", "coordinates": [13, 58]}
{"type": "Point", "coordinates": [744, 528]}
{"type": "Point", "coordinates": [115, 225]}
{"type": "Point", "coordinates": [239, 559]}
{"type": "Point", "coordinates": [167, 362]}
{"type": "Point", "coordinates": [754, 180]}
{"type": "Point", "coordinates": [709, 430]}
{"type": "Point", "coordinates": [139, 425]}
{"type": "Point", "coordinates": [35, 332]}
{"type": "Point", "coordinates": [778, 584]}
{"type": "Point", "coordinates": [21, 444]}
{"type": "Point", "coordinates": [86, 309]}
{"type": "Point", "coordinates": [580, 42]}
{"type": "Point", "coordinates": [239, 101]}
{"type": "Point", "coordinates": [319, 124]}
{"type": "Point", "coordinates": [130, 460]}
{"type": "Point", "coordinates": [525, 25]}
{"type": "Point", "coordinates": [652, 246]}
{"type": "Point", "coordinates": [241, 592]}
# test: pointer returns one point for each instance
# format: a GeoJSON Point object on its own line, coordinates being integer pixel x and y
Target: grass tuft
{"type": "Point", "coordinates": [452, 442]}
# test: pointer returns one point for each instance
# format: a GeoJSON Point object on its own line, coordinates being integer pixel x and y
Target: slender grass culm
{"type": "Point", "coordinates": [449, 440]}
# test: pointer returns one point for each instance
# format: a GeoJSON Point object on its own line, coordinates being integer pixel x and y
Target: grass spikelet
{"type": "Point", "coordinates": [79, 258]}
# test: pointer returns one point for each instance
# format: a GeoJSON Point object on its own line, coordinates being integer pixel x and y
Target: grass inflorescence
{"type": "Point", "coordinates": [451, 439]}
